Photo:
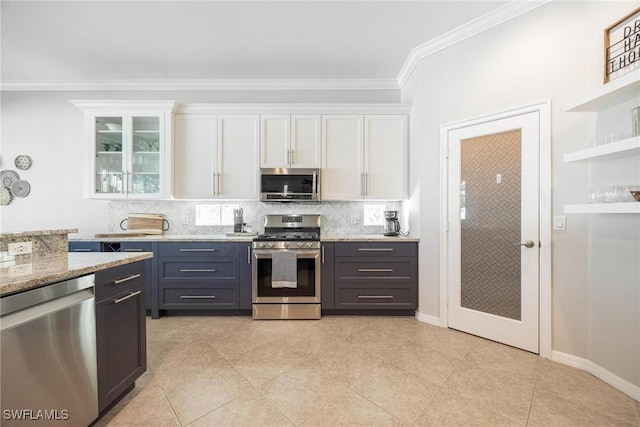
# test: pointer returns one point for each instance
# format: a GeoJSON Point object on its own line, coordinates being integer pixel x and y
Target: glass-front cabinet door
{"type": "Point", "coordinates": [129, 148]}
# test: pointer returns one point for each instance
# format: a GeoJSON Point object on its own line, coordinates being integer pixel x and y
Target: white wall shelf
{"type": "Point", "coordinates": [596, 208]}
{"type": "Point", "coordinates": [618, 149]}
{"type": "Point", "coordinates": [615, 92]}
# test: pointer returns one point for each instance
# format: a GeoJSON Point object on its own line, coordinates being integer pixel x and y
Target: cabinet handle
{"type": "Point", "coordinates": [131, 295]}
{"type": "Point", "coordinates": [133, 250]}
{"type": "Point", "coordinates": [213, 183]}
{"type": "Point", "coordinates": [362, 184]}
{"type": "Point", "coordinates": [291, 157]}
{"type": "Point", "coordinates": [83, 250]}
{"type": "Point", "coordinates": [375, 270]}
{"type": "Point", "coordinates": [376, 249]}
{"type": "Point", "coordinates": [323, 254]}
{"type": "Point", "coordinates": [375, 296]}
{"type": "Point", "coordinates": [248, 254]}
{"type": "Point", "coordinates": [197, 297]}
{"type": "Point", "coordinates": [219, 189]}
{"type": "Point", "coordinates": [197, 250]}
{"type": "Point", "coordinates": [126, 279]}
{"type": "Point", "coordinates": [197, 270]}
{"type": "Point", "coordinates": [366, 190]}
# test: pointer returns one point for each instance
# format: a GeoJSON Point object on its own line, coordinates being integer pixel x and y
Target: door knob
{"type": "Point", "coordinates": [526, 244]}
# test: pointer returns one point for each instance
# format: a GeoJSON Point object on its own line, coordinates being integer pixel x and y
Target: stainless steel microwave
{"type": "Point", "coordinates": [289, 185]}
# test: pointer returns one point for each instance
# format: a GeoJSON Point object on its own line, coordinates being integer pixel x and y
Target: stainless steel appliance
{"type": "Point", "coordinates": [289, 185]}
{"type": "Point", "coordinates": [298, 235]}
{"type": "Point", "coordinates": [391, 223]}
{"type": "Point", "coordinates": [48, 362]}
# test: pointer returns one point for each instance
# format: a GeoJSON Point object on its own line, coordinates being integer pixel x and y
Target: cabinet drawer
{"type": "Point", "coordinates": [112, 281]}
{"type": "Point", "coordinates": [135, 247]}
{"type": "Point", "coordinates": [84, 246]}
{"type": "Point", "coordinates": [197, 250]}
{"type": "Point", "coordinates": [369, 268]}
{"type": "Point", "coordinates": [375, 249]}
{"type": "Point", "coordinates": [352, 296]}
{"type": "Point", "coordinates": [203, 270]}
{"type": "Point", "coordinates": [198, 297]}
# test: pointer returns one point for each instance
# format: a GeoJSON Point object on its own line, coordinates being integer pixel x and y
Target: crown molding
{"type": "Point", "coordinates": [205, 84]}
{"type": "Point", "coordinates": [242, 108]}
{"type": "Point", "coordinates": [487, 21]}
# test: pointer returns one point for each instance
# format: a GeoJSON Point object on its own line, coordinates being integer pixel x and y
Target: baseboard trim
{"type": "Point", "coordinates": [610, 378]}
{"type": "Point", "coordinates": [427, 318]}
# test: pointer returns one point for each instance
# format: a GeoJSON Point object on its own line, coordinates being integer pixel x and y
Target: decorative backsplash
{"type": "Point", "coordinates": [338, 218]}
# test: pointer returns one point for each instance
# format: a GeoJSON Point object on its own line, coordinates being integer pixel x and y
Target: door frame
{"type": "Point", "coordinates": [545, 222]}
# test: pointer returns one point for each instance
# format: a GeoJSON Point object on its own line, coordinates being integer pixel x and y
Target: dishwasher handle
{"type": "Point", "coordinates": [22, 300]}
{"type": "Point", "coordinates": [37, 311]}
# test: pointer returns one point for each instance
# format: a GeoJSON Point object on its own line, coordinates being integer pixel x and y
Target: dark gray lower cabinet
{"type": "Point", "coordinates": [204, 276]}
{"type": "Point", "coordinates": [327, 287]}
{"type": "Point", "coordinates": [120, 330]}
{"type": "Point", "coordinates": [131, 247]}
{"type": "Point", "coordinates": [375, 276]}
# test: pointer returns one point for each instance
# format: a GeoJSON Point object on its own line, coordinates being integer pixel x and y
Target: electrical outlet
{"type": "Point", "coordinates": [185, 219]}
{"type": "Point", "coordinates": [353, 219]}
{"type": "Point", "coordinates": [19, 248]}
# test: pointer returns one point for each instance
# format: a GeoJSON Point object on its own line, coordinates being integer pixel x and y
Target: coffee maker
{"type": "Point", "coordinates": [391, 223]}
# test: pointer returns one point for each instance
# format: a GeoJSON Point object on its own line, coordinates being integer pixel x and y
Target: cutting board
{"type": "Point", "coordinates": [119, 235]}
{"type": "Point", "coordinates": [145, 223]}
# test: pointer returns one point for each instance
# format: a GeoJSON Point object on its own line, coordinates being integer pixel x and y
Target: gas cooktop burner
{"type": "Point", "coordinates": [288, 236]}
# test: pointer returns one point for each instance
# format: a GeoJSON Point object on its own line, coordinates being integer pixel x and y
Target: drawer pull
{"type": "Point", "coordinates": [197, 297]}
{"type": "Point", "coordinates": [197, 270]}
{"type": "Point", "coordinates": [133, 250]}
{"type": "Point", "coordinates": [376, 249]}
{"type": "Point", "coordinates": [375, 270]}
{"type": "Point", "coordinates": [375, 296]}
{"type": "Point", "coordinates": [126, 279]}
{"type": "Point", "coordinates": [82, 250]}
{"type": "Point", "coordinates": [131, 295]}
{"type": "Point", "coordinates": [197, 250]}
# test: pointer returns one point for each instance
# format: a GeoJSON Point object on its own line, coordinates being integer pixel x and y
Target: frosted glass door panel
{"type": "Point", "coordinates": [490, 200]}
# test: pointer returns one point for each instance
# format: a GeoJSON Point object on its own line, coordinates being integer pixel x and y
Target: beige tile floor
{"type": "Point", "coordinates": [354, 371]}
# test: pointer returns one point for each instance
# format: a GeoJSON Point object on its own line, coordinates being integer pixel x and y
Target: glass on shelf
{"type": "Point", "coordinates": [612, 194]}
{"type": "Point", "coordinates": [145, 183]}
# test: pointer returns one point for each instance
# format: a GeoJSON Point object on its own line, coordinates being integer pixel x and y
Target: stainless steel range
{"type": "Point", "coordinates": [286, 268]}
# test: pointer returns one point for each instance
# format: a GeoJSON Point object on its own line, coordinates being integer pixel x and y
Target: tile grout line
{"type": "Point", "coordinates": [535, 387]}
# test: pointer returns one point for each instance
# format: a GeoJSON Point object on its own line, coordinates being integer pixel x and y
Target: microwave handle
{"type": "Point", "coordinates": [314, 186]}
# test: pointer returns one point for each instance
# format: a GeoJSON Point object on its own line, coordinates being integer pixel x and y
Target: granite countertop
{"type": "Point", "coordinates": [35, 272]}
{"type": "Point", "coordinates": [368, 238]}
{"type": "Point", "coordinates": [166, 238]}
{"type": "Point", "coordinates": [38, 233]}
{"type": "Point", "coordinates": [237, 238]}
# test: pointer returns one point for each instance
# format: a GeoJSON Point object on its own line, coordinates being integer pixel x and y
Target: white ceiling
{"type": "Point", "coordinates": [93, 42]}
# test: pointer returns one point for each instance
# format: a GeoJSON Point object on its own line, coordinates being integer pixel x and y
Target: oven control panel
{"type": "Point", "coordinates": [287, 245]}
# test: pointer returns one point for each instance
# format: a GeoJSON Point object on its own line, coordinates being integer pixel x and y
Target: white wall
{"type": "Point", "coordinates": [553, 52]}
{"type": "Point", "coordinates": [47, 127]}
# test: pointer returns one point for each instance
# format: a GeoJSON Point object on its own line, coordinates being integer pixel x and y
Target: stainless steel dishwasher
{"type": "Point", "coordinates": [48, 355]}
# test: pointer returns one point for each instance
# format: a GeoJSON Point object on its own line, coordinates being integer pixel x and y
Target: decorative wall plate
{"type": "Point", "coordinates": [7, 177]}
{"type": "Point", "coordinates": [20, 188]}
{"type": "Point", "coordinates": [23, 162]}
{"type": "Point", "coordinates": [5, 196]}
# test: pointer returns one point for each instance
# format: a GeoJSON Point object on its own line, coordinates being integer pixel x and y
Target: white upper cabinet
{"type": "Point", "coordinates": [364, 157]}
{"type": "Point", "coordinates": [238, 156]}
{"type": "Point", "coordinates": [129, 149]}
{"type": "Point", "coordinates": [385, 157]}
{"type": "Point", "coordinates": [342, 157]}
{"type": "Point", "coordinates": [290, 141]}
{"type": "Point", "coordinates": [215, 157]}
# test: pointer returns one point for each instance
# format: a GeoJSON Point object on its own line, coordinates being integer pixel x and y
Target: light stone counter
{"type": "Point", "coordinates": [368, 238]}
{"type": "Point", "coordinates": [220, 238]}
{"type": "Point", "coordinates": [34, 272]}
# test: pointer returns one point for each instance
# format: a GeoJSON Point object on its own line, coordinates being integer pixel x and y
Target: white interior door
{"type": "Point", "coordinates": [493, 239]}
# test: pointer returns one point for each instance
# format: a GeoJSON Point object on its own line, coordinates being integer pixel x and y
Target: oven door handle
{"type": "Point", "coordinates": [300, 253]}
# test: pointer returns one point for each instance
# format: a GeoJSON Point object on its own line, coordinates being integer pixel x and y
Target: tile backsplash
{"type": "Point", "coordinates": [338, 218]}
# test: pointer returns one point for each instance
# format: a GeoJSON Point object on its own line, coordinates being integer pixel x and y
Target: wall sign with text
{"type": "Point", "coordinates": [622, 46]}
